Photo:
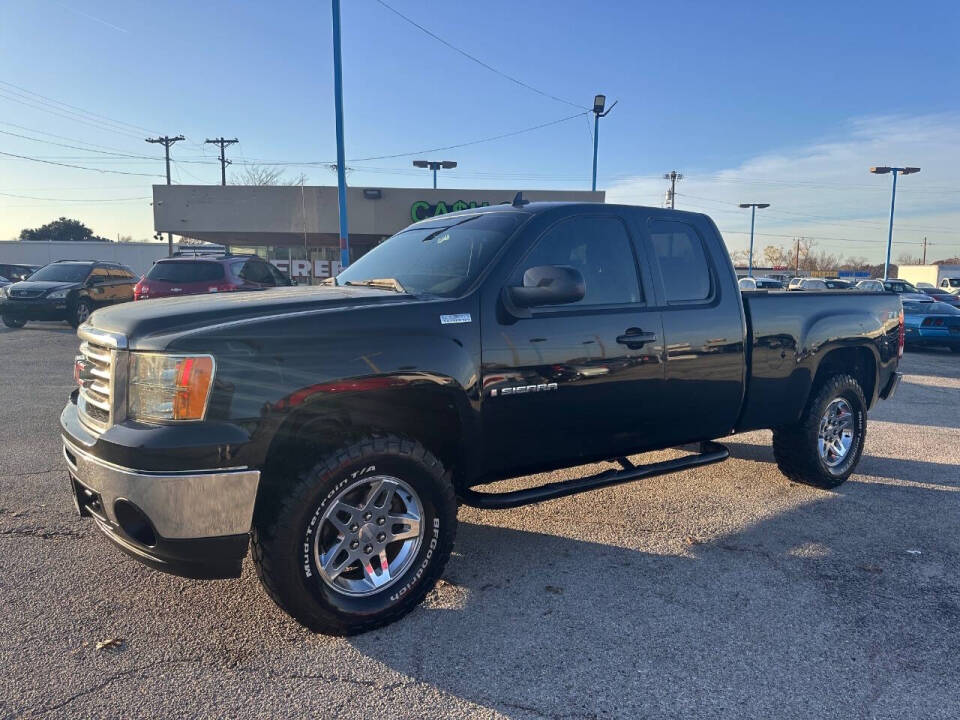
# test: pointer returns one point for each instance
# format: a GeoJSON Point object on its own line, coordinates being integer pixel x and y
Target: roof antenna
{"type": "Point", "coordinates": [518, 200]}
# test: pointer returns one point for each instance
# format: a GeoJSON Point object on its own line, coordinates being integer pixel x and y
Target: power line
{"type": "Point", "coordinates": [478, 60]}
{"type": "Point", "coordinates": [472, 142]}
{"type": "Point", "coordinates": [78, 167]}
{"type": "Point", "coordinates": [74, 117]}
{"type": "Point", "coordinates": [84, 200]}
{"type": "Point", "coordinates": [22, 91]}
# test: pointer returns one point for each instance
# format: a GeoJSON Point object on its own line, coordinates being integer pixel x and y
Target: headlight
{"type": "Point", "coordinates": [3, 291]}
{"type": "Point", "coordinates": [58, 294]}
{"type": "Point", "coordinates": [168, 387]}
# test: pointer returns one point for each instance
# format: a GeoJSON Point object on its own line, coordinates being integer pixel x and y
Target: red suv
{"type": "Point", "coordinates": [198, 274]}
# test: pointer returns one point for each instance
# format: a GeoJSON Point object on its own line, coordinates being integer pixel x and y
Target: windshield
{"type": "Point", "coordinates": [439, 257]}
{"type": "Point", "coordinates": [65, 272]}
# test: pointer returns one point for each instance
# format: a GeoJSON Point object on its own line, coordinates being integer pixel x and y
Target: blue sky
{"type": "Point", "coordinates": [771, 102]}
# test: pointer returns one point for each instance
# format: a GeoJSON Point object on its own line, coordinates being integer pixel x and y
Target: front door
{"type": "Point", "coordinates": [580, 381]}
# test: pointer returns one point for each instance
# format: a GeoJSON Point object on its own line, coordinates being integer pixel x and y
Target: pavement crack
{"type": "Point", "coordinates": [42, 533]}
{"type": "Point", "coordinates": [109, 679]}
{"type": "Point", "coordinates": [31, 472]}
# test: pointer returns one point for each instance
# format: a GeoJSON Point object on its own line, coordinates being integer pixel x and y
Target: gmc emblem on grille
{"type": "Point", "coordinates": [82, 372]}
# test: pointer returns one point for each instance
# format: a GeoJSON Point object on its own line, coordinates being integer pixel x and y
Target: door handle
{"type": "Point", "coordinates": [636, 338]}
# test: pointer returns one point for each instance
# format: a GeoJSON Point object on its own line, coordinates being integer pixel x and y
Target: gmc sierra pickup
{"type": "Point", "coordinates": [335, 429]}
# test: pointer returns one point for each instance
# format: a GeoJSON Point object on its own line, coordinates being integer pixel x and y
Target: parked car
{"type": "Point", "coordinates": [341, 425]}
{"type": "Point", "coordinates": [17, 272]}
{"type": "Point", "coordinates": [201, 274]}
{"type": "Point", "coordinates": [932, 324]}
{"type": "Point", "coordinates": [940, 295]}
{"type": "Point", "coordinates": [66, 290]}
{"type": "Point", "coordinates": [951, 283]}
{"type": "Point", "coordinates": [751, 283]}
{"type": "Point", "coordinates": [807, 284]}
{"type": "Point", "coordinates": [836, 284]}
{"type": "Point", "coordinates": [870, 286]}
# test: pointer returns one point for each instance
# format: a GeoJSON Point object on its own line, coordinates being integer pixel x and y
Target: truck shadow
{"type": "Point", "coordinates": [930, 473]}
{"type": "Point", "coordinates": [845, 584]}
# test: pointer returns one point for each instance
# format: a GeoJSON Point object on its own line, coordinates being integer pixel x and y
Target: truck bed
{"type": "Point", "coordinates": [788, 333]}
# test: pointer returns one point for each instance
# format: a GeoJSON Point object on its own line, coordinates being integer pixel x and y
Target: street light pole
{"type": "Point", "coordinates": [341, 159]}
{"type": "Point", "coordinates": [753, 216]}
{"type": "Point", "coordinates": [435, 165]}
{"type": "Point", "coordinates": [883, 170]}
{"type": "Point", "coordinates": [599, 102]}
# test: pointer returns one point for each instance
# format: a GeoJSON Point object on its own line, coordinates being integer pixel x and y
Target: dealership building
{"type": "Point", "coordinates": [297, 227]}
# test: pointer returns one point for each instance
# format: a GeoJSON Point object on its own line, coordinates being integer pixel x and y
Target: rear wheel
{"type": "Point", "coordinates": [825, 445]}
{"type": "Point", "coordinates": [15, 323]}
{"type": "Point", "coordinates": [360, 538]}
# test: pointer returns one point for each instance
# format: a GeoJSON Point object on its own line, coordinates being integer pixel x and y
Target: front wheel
{"type": "Point", "coordinates": [823, 448]}
{"type": "Point", "coordinates": [81, 311]}
{"type": "Point", "coordinates": [360, 538]}
{"type": "Point", "coordinates": [15, 323]}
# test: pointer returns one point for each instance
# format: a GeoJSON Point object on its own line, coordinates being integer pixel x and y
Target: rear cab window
{"type": "Point", "coordinates": [682, 259]}
{"type": "Point", "coordinates": [185, 271]}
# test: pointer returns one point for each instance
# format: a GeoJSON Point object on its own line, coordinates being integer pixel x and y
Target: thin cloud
{"type": "Point", "coordinates": [824, 189]}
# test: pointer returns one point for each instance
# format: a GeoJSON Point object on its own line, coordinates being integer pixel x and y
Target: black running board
{"type": "Point", "coordinates": [710, 452]}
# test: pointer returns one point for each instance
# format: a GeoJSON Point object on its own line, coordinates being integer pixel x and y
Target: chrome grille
{"type": "Point", "coordinates": [102, 400]}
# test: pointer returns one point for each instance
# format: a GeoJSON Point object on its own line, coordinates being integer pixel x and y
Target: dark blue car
{"type": "Point", "coordinates": [932, 324]}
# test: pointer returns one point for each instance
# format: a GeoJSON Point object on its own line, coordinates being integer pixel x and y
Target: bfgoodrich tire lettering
{"type": "Point", "coordinates": [800, 448]}
{"type": "Point", "coordinates": [290, 538]}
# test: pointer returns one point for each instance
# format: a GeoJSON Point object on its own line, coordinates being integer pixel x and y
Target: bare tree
{"type": "Point", "coordinates": [906, 258]}
{"type": "Point", "coordinates": [266, 175]}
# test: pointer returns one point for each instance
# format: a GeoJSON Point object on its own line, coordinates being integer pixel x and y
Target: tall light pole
{"type": "Point", "coordinates": [753, 216]}
{"type": "Point", "coordinates": [598, 104]}
{"type": "Point", "coordinates": [435, 165]}
{"type": "Point", "coordinates": [341, 161]}
{"type": "Point", "coordinates": [893, 199]}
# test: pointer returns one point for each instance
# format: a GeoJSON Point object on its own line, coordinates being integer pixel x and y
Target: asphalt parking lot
{"type": "Point", "coordinates": [724, 591]}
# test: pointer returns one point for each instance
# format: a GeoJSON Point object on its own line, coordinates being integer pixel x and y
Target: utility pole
{"type": "Point", "coordinates": [222, 142]}
{"type": "Point", "coordinates": [167, 141]}
{"type": "Point", "coordinates": [673, 176]}
{"type": "Point", "coordinates": [798, 256]}
{"type": "Point", "coordinates": [924, 250]}
{"type": "Point", "coordinates": [341, 154]}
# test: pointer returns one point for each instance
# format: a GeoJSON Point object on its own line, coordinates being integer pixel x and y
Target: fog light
{"type": "Point", "coordinates": [134, 522]}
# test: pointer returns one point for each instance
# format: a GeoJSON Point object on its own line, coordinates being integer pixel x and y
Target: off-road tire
{"type": "Point", "coordinates": [284, 520]}
{"type": "Point", "coordinates": [14, 323]}
{"type": "Point", "coordinates": [75, 312]}
{"type": "Point", "coordinates": [795, 447]}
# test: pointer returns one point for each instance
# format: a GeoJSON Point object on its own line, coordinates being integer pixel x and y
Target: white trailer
{"type": "Point", "coordinates": [940, 276]}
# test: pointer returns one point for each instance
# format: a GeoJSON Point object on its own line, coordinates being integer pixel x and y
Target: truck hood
{"type": "Point", "coordinates": [143, 319]}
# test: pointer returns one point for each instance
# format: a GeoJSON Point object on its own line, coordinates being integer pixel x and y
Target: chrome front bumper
{"type": "Point", "coordinates": [180, 506]}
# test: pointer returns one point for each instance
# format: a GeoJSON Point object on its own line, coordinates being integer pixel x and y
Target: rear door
{"type": "Point", "coordinates": [122, 281]}
{"type": "Point", "coordinates": [569, 383]}
{"type": "Point", "coordinates": [703, 325]}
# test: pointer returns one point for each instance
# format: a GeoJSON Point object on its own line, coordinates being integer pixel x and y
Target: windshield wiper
{"type": "Point", "coordinates": [384, 283]}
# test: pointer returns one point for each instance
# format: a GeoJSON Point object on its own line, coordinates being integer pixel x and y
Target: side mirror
{"type": "Point", "coordinates": [548, 285]}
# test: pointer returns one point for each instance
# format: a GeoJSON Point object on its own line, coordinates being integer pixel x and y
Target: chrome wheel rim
{"type": "Point", "coordinates": [836, 433]}
{"type": "Point", "coordinates": [83, 312]}
{"type": "Point", "coordinates": [369, 536]}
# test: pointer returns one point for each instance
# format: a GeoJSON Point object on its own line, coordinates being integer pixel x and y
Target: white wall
{"type": "Point", "coordinates": [139, 257]}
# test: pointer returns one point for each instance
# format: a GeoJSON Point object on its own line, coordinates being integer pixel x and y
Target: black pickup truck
{"type": "Point", "coordinates": [335, 429]}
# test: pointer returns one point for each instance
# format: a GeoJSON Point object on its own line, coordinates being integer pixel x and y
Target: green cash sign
{"type": "Point", "coordinates": [421, 210]}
